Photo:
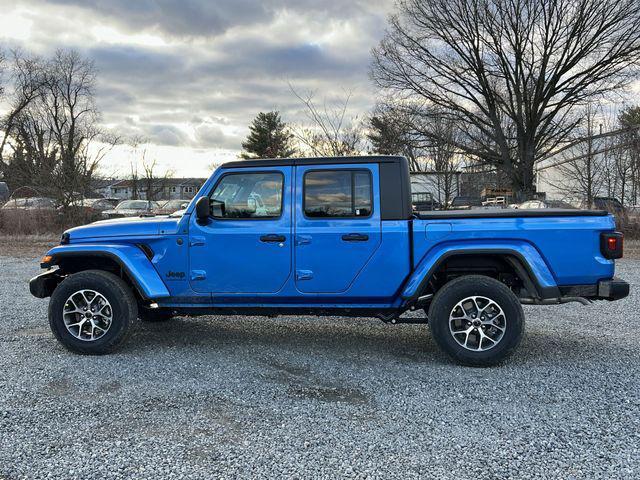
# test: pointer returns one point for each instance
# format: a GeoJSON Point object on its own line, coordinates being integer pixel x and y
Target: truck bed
{"type": "Point", "coordinates": [567, 241]}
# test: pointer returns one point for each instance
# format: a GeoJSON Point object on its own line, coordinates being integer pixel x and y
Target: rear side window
{"type": "Point", "coordinates": [248, 195]}
{"type": "Point", "coordinates": [337, 193]}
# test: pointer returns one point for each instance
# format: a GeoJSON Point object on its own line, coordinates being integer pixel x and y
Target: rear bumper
{"type": "Point", "coordinates": [613, 289]}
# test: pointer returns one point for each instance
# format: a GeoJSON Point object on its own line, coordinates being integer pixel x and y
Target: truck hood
{"type": "Point", "coordinates": [125, 227]}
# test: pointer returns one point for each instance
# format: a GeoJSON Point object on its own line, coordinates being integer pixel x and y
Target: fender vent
{"type": "Point", "coordinates": [147, 250]}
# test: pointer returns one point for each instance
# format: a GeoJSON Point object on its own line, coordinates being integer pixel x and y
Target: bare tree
{"type": "Point", "coordinates": [428, 139]}
{"type": "Point", "coordinates": [71, 116]}
{"type": "Point", "coordinates": [154, 184]}
{"type": "Point", "coordinates": [511, 71]}
{"type": "Point", "coordinates": [27, 81]}
{"type": "Point", "coordinates": [391, 131]}
{"type": "Point", "coordinates": [330, 131]}
{"type": "Point", "coordinates": [629, 119]}
{"type": "Point", "coordinates": [148, 181]}
{"type": "Point", "coordinates": [441, 149]}
{"type": "Point", "coordinates": [134, 181]}
{"type": "Point", "coordinates": [581, 171]}
{"type": "Point", "coordinates": [3, 67]}
{"type": "Point", "coordinates": [54, 137]}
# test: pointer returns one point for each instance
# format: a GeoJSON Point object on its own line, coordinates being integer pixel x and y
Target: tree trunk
{"type": "Point", "coordinates": [523, 179]}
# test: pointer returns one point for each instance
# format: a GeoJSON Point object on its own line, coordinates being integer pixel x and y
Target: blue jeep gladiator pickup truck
{"type": "Point", "coordinates": [328, 236]}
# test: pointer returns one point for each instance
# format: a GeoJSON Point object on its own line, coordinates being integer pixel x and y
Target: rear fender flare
{"type": "Point", "coordinates": [523, 256]}
{"type": "Point", "coordinates": [129, 257]}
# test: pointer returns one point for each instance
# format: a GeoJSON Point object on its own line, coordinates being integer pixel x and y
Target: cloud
{"type": "Point", "coordinates": [166, 135]}
{"type": "Point", "coordinates": [186, 18]}
{"type": "Point", "coordinates": [207, 18]}
{"type": "Point", "coordinates": [192, 74]}
{"type": "Point", "coordinates": [213, 136]}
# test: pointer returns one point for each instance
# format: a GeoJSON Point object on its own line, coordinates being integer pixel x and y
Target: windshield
{"type": "Point", "coordinates": [17, 202]}
{"type": "Point", "coordinates": [177, 204]}
{"type": "Point", "coordinates": [133, 205]}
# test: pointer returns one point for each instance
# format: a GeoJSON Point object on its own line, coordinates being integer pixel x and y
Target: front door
{"type": "Point", "coordinates": [337, 224]}
{"type": "Point", "coordinates": [245, 246]}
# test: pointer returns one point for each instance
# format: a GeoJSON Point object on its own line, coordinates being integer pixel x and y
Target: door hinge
{"type": "Point", "coordinates": [304, 274]}
{"type": "Point", "coordinates": [198, 274]}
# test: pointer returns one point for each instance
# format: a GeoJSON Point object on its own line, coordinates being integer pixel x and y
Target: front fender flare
{"type": "Point", "coordinates": [131, 258]}
{"type": "Point", "coordinates": [527, 255]}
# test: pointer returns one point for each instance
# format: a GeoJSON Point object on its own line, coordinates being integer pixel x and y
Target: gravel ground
{"type": "Point", "coordinates": [220, 397]}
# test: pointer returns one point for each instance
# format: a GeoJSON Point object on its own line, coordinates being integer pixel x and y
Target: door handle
{"type": "Point", "coordinates": [273, 238]}
{"type": "Point", "coordinates": [355, 237]}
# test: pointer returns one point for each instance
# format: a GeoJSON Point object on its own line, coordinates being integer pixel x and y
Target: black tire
{"type": "Point", "coordinates": [460, 289]}
{"type": "Point", "coordinates": [154, 315]}
{"type": "Point", "coordinates": [118, 294]}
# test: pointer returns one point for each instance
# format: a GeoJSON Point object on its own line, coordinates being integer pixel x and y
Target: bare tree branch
{"type": "Point", "coordinates": [513, 72]}
{"type": "Point", "coordinates": [329, 132]}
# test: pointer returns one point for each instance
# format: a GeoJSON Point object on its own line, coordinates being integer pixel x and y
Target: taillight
{"type": "Point", "coordinates": [611, 244]}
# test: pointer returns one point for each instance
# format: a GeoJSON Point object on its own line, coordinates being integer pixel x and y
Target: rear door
{"type": "Point", "coordinates": [337, 225]}
{"type": "Point", "coordinates": [245, 247]}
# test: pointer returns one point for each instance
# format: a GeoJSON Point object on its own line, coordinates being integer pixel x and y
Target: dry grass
{"type": "Point", "coordinates": [26, 246]}
{"type": "Point", "coordinates": [29, 222]}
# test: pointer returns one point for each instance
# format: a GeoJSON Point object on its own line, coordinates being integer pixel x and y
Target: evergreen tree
{"type": "Point", "coordinates": [269, 137]}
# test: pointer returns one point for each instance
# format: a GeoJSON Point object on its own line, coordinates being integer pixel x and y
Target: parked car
{"type": "Point", "coordinates": [464, 202]}
{"type": "Point", "coordinates": [610, 204]}
{"type": "Point", "coordinates": [131, 208]}
{"type": "Point", "coordinates": [424, 202]}
{"type": "Point", "coordinates": [331, 237]}
{"type": "Point", "coordinates": [171, 206]}
{"type": "Point", "coordinates": [534, 204]}
{"type": "Point", "coordinates": [113, 201]}
{"type": "Point", "coordinates": [31, 203]}
{"type": "Point", "coordinates": [87, 209]}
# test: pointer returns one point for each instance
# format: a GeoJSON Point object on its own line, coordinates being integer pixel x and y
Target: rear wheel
{"type": "Point", "coordinates": [91, 312]}
{"type": "Point", "coordinates": [476, 320]}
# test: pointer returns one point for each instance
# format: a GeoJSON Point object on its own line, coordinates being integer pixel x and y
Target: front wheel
{"type": "Point", "coordinates": [476, 320]}
{"type": "Point", "coordinates": [91, 312]}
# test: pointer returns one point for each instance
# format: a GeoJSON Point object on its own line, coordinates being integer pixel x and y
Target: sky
{"type": "Point", "coordinates": [188, 76]}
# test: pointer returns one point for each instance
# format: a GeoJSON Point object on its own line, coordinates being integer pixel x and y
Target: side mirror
{"type": "Point", "coordinates": [203, 209]}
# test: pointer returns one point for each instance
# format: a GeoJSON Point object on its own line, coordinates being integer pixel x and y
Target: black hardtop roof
{"type": "Point", "coordinates": [288, 162]}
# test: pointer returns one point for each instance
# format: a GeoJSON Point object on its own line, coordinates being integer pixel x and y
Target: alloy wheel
{"type": "Point", "coordinates": [87, 315]}
{"type": "Point", "coordinates": [477, 323]}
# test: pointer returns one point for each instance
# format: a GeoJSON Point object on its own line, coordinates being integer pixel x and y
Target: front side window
{"type": "Point", "coordinates": [248, 195]}
{"type": "Point", "coordinates": [337, 193]}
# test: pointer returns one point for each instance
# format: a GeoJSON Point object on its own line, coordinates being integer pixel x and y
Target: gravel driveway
{"type": "Point", "coordinates": [319, 398]}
